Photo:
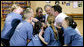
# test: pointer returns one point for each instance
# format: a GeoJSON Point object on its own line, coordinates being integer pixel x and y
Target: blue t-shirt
{"type": "Point", "coordinates": [50, 38]}
{"type": "Point", "coordinates": [72, 38]}
{"type": "Point", "coordinates": [23, 32]}
{"type": "Point", "coordinates": [35, 41]}
{"type": "Point", "coordinates": [12, 20]}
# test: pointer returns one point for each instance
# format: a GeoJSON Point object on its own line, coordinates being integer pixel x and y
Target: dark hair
{"type": "Point", "coordinates": [72, 23]}
{"type": "Point", "coordinates": [38, 9]}
{"type": "Point", "coordinates": [57, 8]}
{"type": "Point", "coordinates": [37, 27]}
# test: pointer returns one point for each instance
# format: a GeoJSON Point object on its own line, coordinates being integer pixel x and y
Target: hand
{"type": "Point", "coordinates": [58, 27]}
{"type": "Point", "coordinates": [44, 25]}
{"type": "Point", "coordinates": [64, 45]}
{"type": "Point", "coordinates": [32, 23]}
{"type": "Point", "coordinates": [35, 20]}
{"type": "Point", "coordinates": [28, 41]}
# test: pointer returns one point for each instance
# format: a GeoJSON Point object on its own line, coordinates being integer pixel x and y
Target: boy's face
{"type": "Point", "coordinates": [52, 11]}
{"type": "Point", "coordinates": [32, 13]}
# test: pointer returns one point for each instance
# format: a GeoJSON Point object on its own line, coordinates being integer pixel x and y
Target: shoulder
{"type": "Point", "coordinates": [62, 15]}
{"type": "Point", "coordinates": [14, 15]}
{"type": "Point", "coordinates": [21, 24]}
{"type": "Point", "coordinates": [70, 31]}
{"type": "Point", "coordinates": [28, 26]}
{"type": "Point", "coordinates": [11, 13]}
{"type": "Point", "coordinates": [48, 29]}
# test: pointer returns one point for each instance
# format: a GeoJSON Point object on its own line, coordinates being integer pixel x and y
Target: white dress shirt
{"type": "Point", "coordinates": [59, 19]}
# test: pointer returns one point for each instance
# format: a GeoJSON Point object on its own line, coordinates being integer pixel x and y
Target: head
{"type": "Point", "coordinates": [28, 14]}
{"type": "Point", "coordinates": [56, 9]}
{"type": "Point", "coordinates": [37, 27]}
{"type": "Point", "coordinates": [68, 21]}
{"type": "Point", "coordinates": [47, 9]}
{"type": "Point", "coordinates": [51, 19]}
{"type": "Point", "coordinates": [39, 11]}
{"type": "Point", "coordinates": [17, 9]}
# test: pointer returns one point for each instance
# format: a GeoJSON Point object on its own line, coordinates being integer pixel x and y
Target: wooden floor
{"type": "Point", "coordinates": [79, 25]}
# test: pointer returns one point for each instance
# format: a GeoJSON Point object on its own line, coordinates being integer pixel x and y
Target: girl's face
{"type": "Point", "coordinates": [40, 12]}
{"type": "Point", "coordinates": [65, 23]}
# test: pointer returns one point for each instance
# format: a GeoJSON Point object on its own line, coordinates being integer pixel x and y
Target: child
{"type": "Point", "coordinates": [11, 22]}
{"type": "Point", "coordinates": [39, 15]}
{"type": "Point", "coordinates": [50, 34]}
{"type": "Point", "coordinates": [35, 39]}
{"type": "Point", "coordinates": [71, 37]}
{"type": "Point", "coordinates": [24, 31]}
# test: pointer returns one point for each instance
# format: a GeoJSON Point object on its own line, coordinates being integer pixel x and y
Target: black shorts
{"type": "Point", "coordinates": [5, 42]}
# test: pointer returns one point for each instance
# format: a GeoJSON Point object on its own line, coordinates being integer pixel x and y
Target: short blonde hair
{"type": "Point", "coordinates": [14, 6]}
{"type": "Point", "coordinates": [28, 13]}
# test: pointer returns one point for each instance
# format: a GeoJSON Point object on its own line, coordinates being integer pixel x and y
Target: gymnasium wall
{"type": "Point", "coordinates": [66, 9]}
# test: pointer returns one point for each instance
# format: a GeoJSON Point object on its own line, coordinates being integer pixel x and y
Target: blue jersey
{"type": "Point", "coordinates": [35, 41]}
{"type": "Point", "coordinates": [23, 32]}
{"type": "Point", "coordinates": [72, 38]}
{"type": "Point", "coordinates": [12, 20]}
{"type": "Point", "coordinates": [50, 38]}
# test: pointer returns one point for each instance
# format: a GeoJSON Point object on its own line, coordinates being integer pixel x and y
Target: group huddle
{"type": "Point", "coordinates": [52, 29]}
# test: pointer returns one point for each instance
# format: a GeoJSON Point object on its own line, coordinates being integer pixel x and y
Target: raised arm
{"type": "Point", "coordinates": [40, 36]}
